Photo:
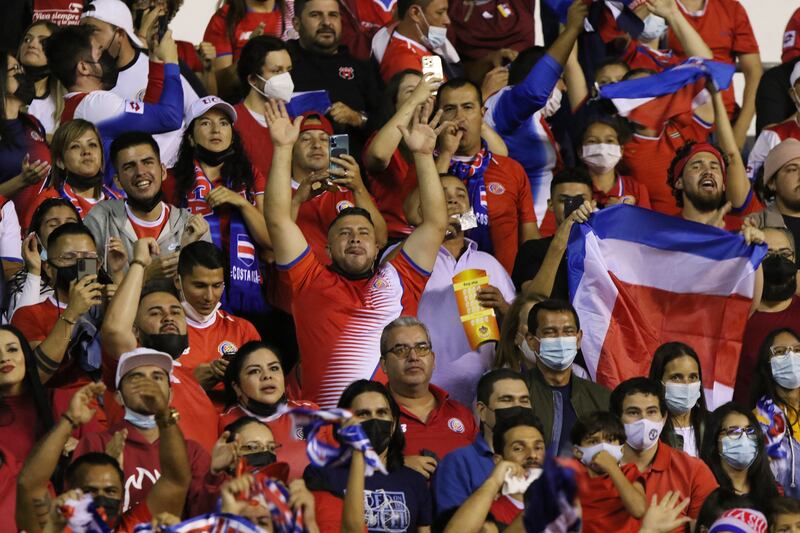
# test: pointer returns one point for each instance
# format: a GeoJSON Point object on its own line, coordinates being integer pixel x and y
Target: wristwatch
{"type": "Point", "coordinates": [169, 419]}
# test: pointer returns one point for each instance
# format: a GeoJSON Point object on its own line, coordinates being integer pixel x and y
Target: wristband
{"type": "Point", "coordinates": [67, 320]}
{"type": "Point", "coordinates": [138, 262]}
{"type": "Point", "coordinates": [72, 423]}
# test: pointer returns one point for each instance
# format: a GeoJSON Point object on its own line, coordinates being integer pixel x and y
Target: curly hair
{"type": "Point", "coordinates": [682, 152]}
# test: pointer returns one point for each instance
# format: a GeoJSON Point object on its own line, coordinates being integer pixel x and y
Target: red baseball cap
{"type": "Point", "coordinates": [315, 121]}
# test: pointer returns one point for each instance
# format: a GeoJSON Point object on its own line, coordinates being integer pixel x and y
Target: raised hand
{"type": "Point", "coordinates": [195, 228]}
{"type": "Point", "coordinates": [282, 130]}
{"type": "Point", "coordinates": [151, 395]}
{"type": "Point", "coordinates": [349, 175]}
{"type": "Point", "coordinates": [144, 250]}
{"type": "Point", "coordinates": [83, 405]}
{"type": "Point", "coordinates": [116, 256]}
{"type": "Point", "coordinates": [33, 172]}
{"type": "Point", "coordinates": [207, 54]}
{"type": "Point", "coordinates": [576, 14]}
{"type": "Point", "coordinates": [31, 254]}
{"type": "Point", "coordinates": [83, 294]}
{"type": "Point", "coordinates": [224, 454]}
{"type": "Point", "coordinates": [719, 219]}
{"type": "Point", "coordinates": [662, 8]}
{"type": "Point", "coordinates": [420, 137]}
{"type": "Point", "coordinates": [664, 516]}
{"type": "Point", "coordinates": [116, 446]}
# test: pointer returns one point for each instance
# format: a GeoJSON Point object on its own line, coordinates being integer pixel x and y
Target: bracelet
{"type": "Point", "coordinates": [169, 419]}
{"type": "Point", "coordinates": [67, 320]}
{"type": "Point", "coordinates": [72, 423]}
{"type": "Point", "coordinates": [138, 262]}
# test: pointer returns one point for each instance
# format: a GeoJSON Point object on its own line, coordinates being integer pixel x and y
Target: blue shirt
{"type": "Point", "coordinates": [460, 474]}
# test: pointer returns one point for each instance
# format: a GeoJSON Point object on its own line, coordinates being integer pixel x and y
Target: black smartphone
{"type": "Point", "coordinates": [427, 453]}
{"type": "Point", "coordinates": [87, 266]}
{"type": "Point", "coordinates": [162, 27]}
{"type": "Point", "coordinates": [338, 145]}
{"type": "Point", "coordinates": [571, 203]}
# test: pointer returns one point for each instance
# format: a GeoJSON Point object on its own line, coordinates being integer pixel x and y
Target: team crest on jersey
{"type": "Point", "coordinates": [299, 434]}
{"type": "Point", "coordinates": [245, 250]}
{"type": "Point", "coordinates": [455, 425]}
{"type": "Point", "coordinates": [496, 188]}
{"type": "Point", "coordinates": [788, 38]}
{"type": "Point", "coordinates": [226, 348]}
{"type": "Point", "coordinates": [344, 204]}
{"type": "Point", "coordinates": [36, 136]}
{"type": "Point", "coordinates": [134, 106]}
{"type": "Point", "coordinates": [347, 73]}
{"type": "Point", "coordinates": [404, 427]}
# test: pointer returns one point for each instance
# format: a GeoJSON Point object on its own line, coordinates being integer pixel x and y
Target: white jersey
{"type": "Point", "coordinates": [43, 109]}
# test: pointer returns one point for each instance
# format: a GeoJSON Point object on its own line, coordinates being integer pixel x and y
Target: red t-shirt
{"type": "Point", "coordinates": [449, 426]}
{"type": "Point", "coordinates": [188, 54]}
{"type": "Point", "coordinates": [361, 19]}
{"type": "Point", "coordinates": [603, 510]}
{"type": "Point", "coordinates": [758, 327]}
{"type": "Point", "coordinates": [188, 398]}
{"type": "Point", "coordinates": [481, 28]}
{"type": "Point", "coordinates": [649, 158]}
{"type": "Point", "coordinates": [255, 138]}
{"type": "Point", "coordinates": [9, 470]}
{"type": "Point", "coordinates": [791, 43]}
{"type": "Point", "coordinates": [390, 187]}
{"type": "Point", "coordinates": [625, 186]}
{"type": "Point", "coordinates": [726, 29]}
{"type": "Point", "coordinates": [143, 228]}
{"type": "Point", "coordinates": [402, 53]}
{"type": "Point", "coordinates": [223, 334]}
{"type": "Point", "coordinates": [217, 30]}
{"type": "Point", "coordinates": [292, 449]}
{"type": "Point", "coordinates": [61, 12]}
{"type": "Point", "coordinates": [343, 320]}
{"type": "Point", "coordinates": [505, 509]}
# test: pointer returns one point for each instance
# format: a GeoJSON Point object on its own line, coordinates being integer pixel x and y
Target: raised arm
{"type": "Point", "coordinates": [422, 246]}
{"type": "Point", "coordinates": [288, 241]}
{"type": "Point", "coordinates": [750, 65]}
{"type": "Point", "coordinates": [738, 188]}
{"type": "Point", "coordinates": [33, 496]}
{"type": "Point", "coordinates": [353, 508]}
{"type": "Point", "coordinates": [117, 330]}
{"type": "Point", "coordinates": [693, 45]}
{"type": "Point", "coordinates": [387, 139]}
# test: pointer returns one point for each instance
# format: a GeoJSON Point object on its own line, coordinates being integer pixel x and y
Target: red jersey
{"type": "Point", "coordinates": [188, 398]}
{"type": "Point", "coordinates": [61, 12]}
{"type": "Point", "coordinates": [188, 54]}
{"type": "Point", "coordinates": [481, 28]}
{"type": "Point", "coordinates": [144, 228]}
{"type": "Point", "coordinates": [34, 143]}
{"type": "Point", "coordinates": [217, 30]}
{"type": "Point", "coordinates": [255, 138]}
{"type": "Point", "coordinates": [649, 158]}
{"type": "Point", "coordinates": [726, 29]}
{"type": "Point", "coordinates": [83, 205]}
{"type": "Point", "coordinates": [791, 43]}
{"type": "Point", "coordinates": [505, 509]}
{"type": "Point", "coordinates": [292, 449]}
{"type": "Point", "coordinates": [222, 334]}
{"type": "Point", "coordinates": [625, 186]}
{"type": "Point", "coordinates": [315, 216]}
{"type": "Point", "coordinates": [603, 510]}
{"type": "Point", "coordinates": [361, 19]}
{"type": "Point", "coordinates": [339, 336]}
{"type": "Point", "coordinates": [141, 464]}
{"type": "Point", "coordinates": [9, 470]}
{"type": "Point", "coordinates": [402, 53]}
{"type": "Point", "coordinates": [390, 187]}
{"type": "Point", "coordinates": [449, 425]}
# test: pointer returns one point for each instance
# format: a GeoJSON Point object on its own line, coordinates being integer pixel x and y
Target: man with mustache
{"type": "Point", "coordinates": [319, 62]}
{"type": "Point", "coordinates": [153, 317]}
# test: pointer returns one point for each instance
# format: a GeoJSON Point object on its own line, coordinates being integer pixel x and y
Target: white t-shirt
{"type": "Point", "coordinates": [43, 109]}
{"type": "Point", "coordinates": [689, 440]}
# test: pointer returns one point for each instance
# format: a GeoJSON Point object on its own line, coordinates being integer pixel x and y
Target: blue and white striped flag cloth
{"type": "Point", "coordinates": [550, 501]}
{"type": "Point", "coordinates": [302, 102]}
{"type": "Point", "coordinates": [626, 19]}
{"type": "Point", "coordinates": [322, 453]}
{"type": "Point", "coordinates": [207, 523]}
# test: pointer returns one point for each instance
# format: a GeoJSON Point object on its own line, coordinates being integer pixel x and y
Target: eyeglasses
{"type": "Point", "coordinates": [422, 349]}
{"type": "Point", "coordinates": [783, 350]}
{"type": "Point", "coordinates": [736, 432]}
{"type": "Point", "coordinates": [256, 447]}
{"type": "Point", "coordinates": [74, 256]}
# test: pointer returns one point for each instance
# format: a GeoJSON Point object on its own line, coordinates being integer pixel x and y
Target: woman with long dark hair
{"type": "Point", "coordinates": [677, 366]}
{"type": "Point", "coordinates": [733, 448]}
{"type": "Point", "coordinates": [24, 156]}
{"type": "Point", "coordinates": [78, 163]}
{"type": "Point", "coordinates": [254, 387]}
{"type": "Point", "coordinates": [777, 398]}
{"type": "Point", "coordinates": [48, 101]}
{"type": "Point", "coordinates": [214, 178]}
{"type": "Point", "coordinates": [409, 507]}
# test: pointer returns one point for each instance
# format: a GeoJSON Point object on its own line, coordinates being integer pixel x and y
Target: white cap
{"type": "Point", "coordinates": [142, 357]}
{"type": "Point", "coordinates": [795, 75]}
{"type": "Point", "coordinates": [113, 12]}
{"type": "Point", "coordinates": [200, 106]}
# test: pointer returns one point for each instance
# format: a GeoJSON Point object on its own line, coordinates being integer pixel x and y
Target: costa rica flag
{"type": "Point", "coordinates": [638, 279]}
{"type": "Point", "coordinates": [245, 250]}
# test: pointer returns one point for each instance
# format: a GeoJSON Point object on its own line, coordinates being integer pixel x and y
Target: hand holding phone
{"type": "Point", "coordinates": [338, 145]}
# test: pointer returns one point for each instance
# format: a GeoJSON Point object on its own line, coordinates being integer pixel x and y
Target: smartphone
{"type": "Point", "coordinates": [338, 145]}
{"type": "Point", "coordinates": [162, 27]}
{"type": "Point", "coordinates": [427, 453]}
{"type": "Point", "coordinates": [571, 203]}
{"type": "Point", "coordinates": [433, 65]}
{"type": "Point", "coordinates": [87, 267]}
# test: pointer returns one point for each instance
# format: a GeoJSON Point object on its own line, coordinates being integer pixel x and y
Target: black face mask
{"type": "Point", "coordinates": [379, 433]}
{"type": "Point", "coordinates": [780, 278]}
{"type": "Point", "coordinates": [263, 409]}
{"type": "Point", "coordinates": [26, 90]}
{"type": "Point", "coordinates": [508, 413]}
{"type": "Point", "coordinates": [110, 71]}
{"type": "Point", "coordinates": [145, 206]}
{"type": "Point", "coordinates": [212, 159]}
{"type": "Point", "coordinates": [172, 343]}
{"type": "Point", "coordinates": [37, 73]}
{"type": "Point", "coordinates": [111, 506]}
{"type": "Point", "coordinates": [259, 459]}
{"type": "Point", "coordinates": [76, 181]}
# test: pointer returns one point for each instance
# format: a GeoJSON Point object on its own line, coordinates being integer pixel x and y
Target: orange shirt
{"type": "Point", "coordinates": [402, 53]}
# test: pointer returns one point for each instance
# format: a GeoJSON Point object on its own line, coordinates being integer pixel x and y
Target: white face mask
{"type": "Point", "coordinates": [279, 87]}
{"type": "Point", "coordinates": [139, 420]}
{"type": "Point", "coordinates": [553, 103]}
{"type": "Point", "coordinates": [437, 35]}
{"type": "Point", "coordinates": [681, 397]}
{"type": "Point", "coordinates": [643, 434]}
{"type": "Point", "coordinates": [527, 351]}
{"type": "Point", "coordinates": [654, 28]}
{"type": "Point", "coordinates": [786, 370]}
{"type": "Point", "coordinates": [601, 158]}
{"type": "Point", "coordinates": [589, 452]}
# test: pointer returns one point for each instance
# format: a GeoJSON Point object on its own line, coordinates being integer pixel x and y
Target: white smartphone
{"type": "Point", "coordinates": [433, 65]}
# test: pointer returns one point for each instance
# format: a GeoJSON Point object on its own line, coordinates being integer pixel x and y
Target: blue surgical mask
{"type": "Point", "coordinates": [43, 255]}
{"type": "Point", "coordinates": [739, 453]}
{"type": "Point", "coordinates": [437, 35]}
{"type": "Point", "coordinates": [654, 28]}
{"type": "Point", "coordinates": [681, 397]}
{"type": "Point", "coordinates": [558, 353]}
{"type": "Point", "coordinates": [139, 420]}
{"type": "Point", "coordinates": [786, 370]}
{"type": "Point", "coordinates": [588, 452]}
